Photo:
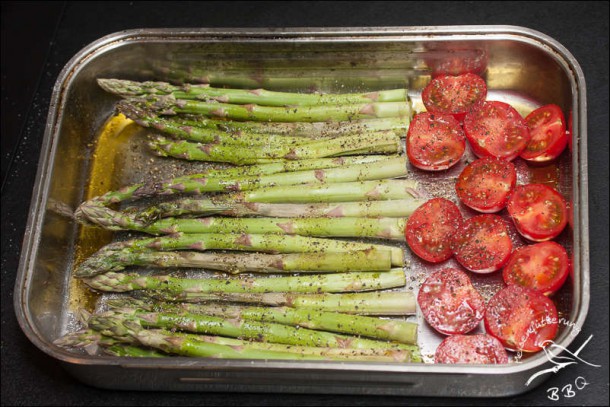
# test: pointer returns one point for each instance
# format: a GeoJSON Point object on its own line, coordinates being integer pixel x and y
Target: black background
{"type": "Point", "coordinates": [38, 38]}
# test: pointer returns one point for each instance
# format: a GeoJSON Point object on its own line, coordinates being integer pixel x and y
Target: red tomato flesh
{"type": "Point", "coordinates": [485, 184]}
{"type": "Point", "coordinates": [548, 134]}
{"type": "Point", "coordinates": [482, 244]}
{"type": "Point", "coordinates": [540, 213]}
{"type": "Point", "coordinates": [521, 318]}
{"type": "Point", "coordinates": [431, 227]}
{"type": "Point", "coordinates": [435, 141]}
{"type": "Point", "coordinates": [495, 129]}
{"type": "Point", "coordinates": [455, 95]}
{"type": "Point", "coordinates": [472, 349]}
{"type": "Point", "coordinates": [543, 267]}
{"type": "Point", "coordinates": [450, 303]}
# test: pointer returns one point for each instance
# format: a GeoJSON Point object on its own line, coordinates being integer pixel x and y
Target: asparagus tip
{"type": "Point", "coordinates": [118, 87]}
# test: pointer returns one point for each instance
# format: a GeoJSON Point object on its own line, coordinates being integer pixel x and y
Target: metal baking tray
{"type": "Point", "coordinates": [521, 66]}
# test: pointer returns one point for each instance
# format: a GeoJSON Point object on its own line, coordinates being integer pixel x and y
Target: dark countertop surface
{"type": "Point", "coordinates": [38, 38]}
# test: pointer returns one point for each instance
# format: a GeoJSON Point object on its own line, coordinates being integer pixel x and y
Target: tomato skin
{"type": "Point", "coordinates": [471, 349]}
{"type": "Point", "coordinates": [485, 184]}
{"type": "Point", "coordinates": [548, 134]}
{"type": "Point", "coordinates": [450, 303]}
{"type": "Point", "coordinates": [435, 141]}
{"type": "Point", "coordinates": [430, 228]}
{"type": "Point", "coordinates": [521, 318]}
{"type": "Point", "coordinates": [455, 95]}
{"type": "Point", "coordinates": [496, 129]}
{"type": "Point", "coordinates": [482, 244]}
{"type": "Point", "coordinates": [543, 267]}
{"type": "Point", "coordinates": [539, 212]}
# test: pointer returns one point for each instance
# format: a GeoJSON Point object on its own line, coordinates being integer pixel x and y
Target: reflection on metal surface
{"type": "Point", "coordinates": [520, 66]}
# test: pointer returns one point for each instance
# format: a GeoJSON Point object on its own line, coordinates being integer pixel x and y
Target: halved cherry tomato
{"type": "Point", "coordinates": [472, 349]}
{"type": "Point", "coordinates": [548, 130]}
{"type": "Point", "coordinates": [450, 303]}
{"type": "Point", "coordinates": [495, 129]}
{"type": "Point", "coordinates": [431, 227]}
{"type": "Point", "coordinates": [539, 212]}
{"type": "Point", "coordinates": [455, 95]}
{"type": "Point", "coordinates": [435, 141]}
{"type": "Point", "coordinates": [482, 244]}
{"type": "Point", "coordinates": [543, 267]}
{"type": "Point", "coordinates": [485, 184]}
{"type": "Point", "coordinates": [521, 318]}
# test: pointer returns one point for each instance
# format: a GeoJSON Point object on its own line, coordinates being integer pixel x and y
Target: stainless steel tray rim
{"type": "Point", "coordinates": [256, 365]}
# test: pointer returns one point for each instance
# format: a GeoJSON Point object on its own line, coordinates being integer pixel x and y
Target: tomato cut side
{"type": "Point", "coordinates": [450, 303]}
{"type": "Point", "coordinates": [471, 349]}
{"type": "Point", "coordinates": [540, 213]}
{"type": "Point", "coordinates": [548, 134]}
{"type": "Point", "coordinates": [482, 244]}
{"type": "Point", "coordinates": [521, 318]}
{"type": "Point", "coordinates": [485, 184]}
{"type": "Point", "coordinates": [495, 129]}
{"type": "Point", "coordinates": [431, 227]}
{"type": "Point", "coordinates": [455, 95]}
{"type": "Point", "coordinates": [543, 267]}
{"type": "Point", "coordinates": [435, 141]}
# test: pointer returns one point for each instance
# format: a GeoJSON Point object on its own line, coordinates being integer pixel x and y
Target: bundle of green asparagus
{"type": "Point", "coordinates": [359, 190]}
{"type": "Point", "coordinates": [290, 253]}
{"type": "Point", "coordinates": [310, 168]}
{"type": "Point", "coordinates": [271, 124]}
{"type": "Point", "coordinates": [263, 97]}
{"type": "Point", "coordinates": [142, 329]}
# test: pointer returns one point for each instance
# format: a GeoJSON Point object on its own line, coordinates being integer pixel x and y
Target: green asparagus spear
{"type": "Point", "coordinates": [124, 345]}
{"type": "Point", "coordinates": [237, 328]}
{"type": "Point", "coordinates": [372, 327]}
{"type": "Point", "coordinates": [227, 348]}
{"type": "Point", "coordinates": [261, 243]}
{"type": "Point", "coordinates": [377, 355]}
{"type": "Point", "coordinates": [145, 118]}
{"type": "Point", "coordinates": [374, 143]}
{"type": "Point", "coordinates": [349, 193]}
{"type": "Point", "coordinates": [402, 208]}
{"type": "Point", "coordinates": [317, 283]}
{"type": "Point", "coordinates": [235, 263]}
{"type": "Point", "coordinates": [373, 190]}
{"type": "Point", "coordinates": [381, 228]}
{"type": "Point", "coordinates": [314, 130]}
{"type": "Point", "coordinates": [183, 345]}
{"type": "Point", "coordinates": [96, 212]}
{"type": "Point", "coordinates": [383, 169]}
{"type": "Point", "coordinates": [168, 104]}
{"type": "Point", "coordinates": [92, 341]}
{"type": "Point", "coordinates": [88, 338]}
{"type": "Point", "coordinates": [262, 97]}
{"type": "Point", "coordinates": [366, 303]}
{"type": "Point", "coordinates": [197, 183]}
